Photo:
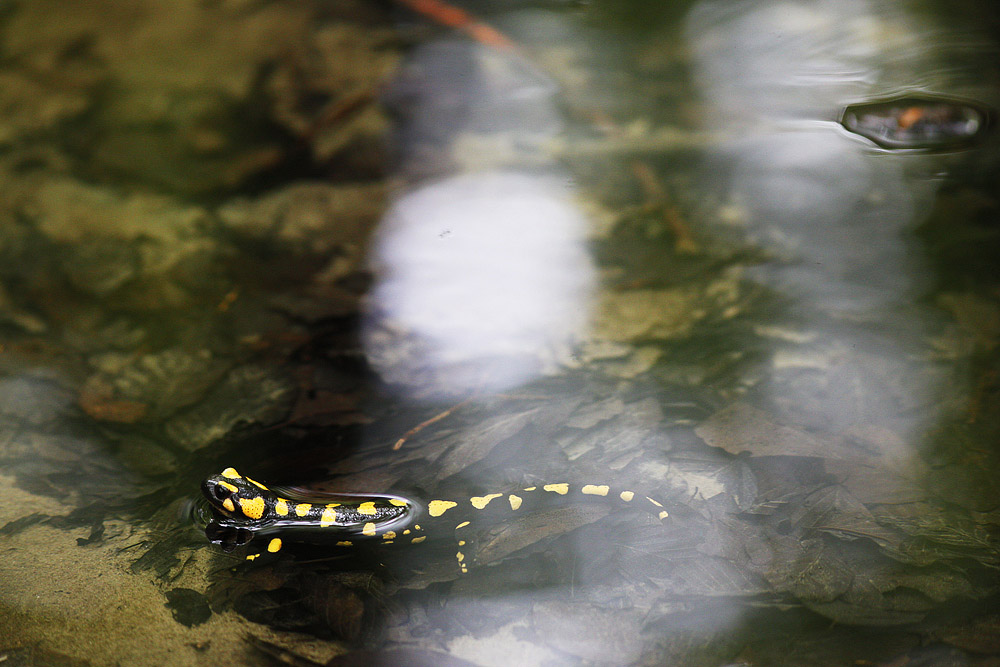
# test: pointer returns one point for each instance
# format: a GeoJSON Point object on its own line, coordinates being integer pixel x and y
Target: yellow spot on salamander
{"type": "Point", "coordinates": [461, 543]}
{"type": "Point", "coordinates": [302, 509]}
{"type": "Point", "coordinates": [274, 545]}
{"type": "Point", "coordinates": [439, 507]}
{"type": "Point", "coordinates": [418, 540]}
{"type": "Point", "coordinates": [406, 532]}
{"type": "Point", "coordinates": [653, 501]}
{"type": "Point", "coordinates": [253, 556]}
{"type": "Point", "coordinates": [593, 490]}
{"type": "Point", "coordinates": [367, 508]}
{"type": "Point", "coordinates": [462, 525]}
{"type": "Point", "coordinates": [561, 489]}
{"type": "Point", "coordinates": [515, 501]}
{"type": "Point", "coordinates": [480, 502]}
{"type": "Point", "coordinates": [397, 502]}
{"type": "Point", "coordinates": [664, 514]}
{"type": "Point", "coordinates": [368, 529]}
{"type": "Point", "coordinates": [627, 496]}
{"type": "Point", "coordinates": [460, 556]}
{"type": "Point", "coordinates": [257, 484]}
{"type": "Point", "coordinates": [227, 485]}
{"type": "Point", "coordinates": [531, 488]}
{"type": "Point", "coordinates": [228, 505]}
{"type": "Point", "coordinates": [345, 544]}
{"type": "Point", "coordinates": [417, 527]}
{"type": "Point", "coordinates": [231, 473]}
{"type": "Point", "coordinates": [252, 507]}
{"type": "Point", "coordinates": [329, 516]}
{"type": "Point", "coordinates": [389, 535]}
{"type": "Point", "coordinates": [281, 507]}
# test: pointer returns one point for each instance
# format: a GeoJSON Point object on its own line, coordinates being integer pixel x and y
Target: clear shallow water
{"type": "Point", "coordinates": [638, 251]}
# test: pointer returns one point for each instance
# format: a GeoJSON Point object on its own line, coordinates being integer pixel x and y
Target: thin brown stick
{"type": "Point", "coordinates": [445, 14]}
{"type": "Point", "coordinates": [657, 198]}
{"type": "Point", "coordinates": [424, 424]}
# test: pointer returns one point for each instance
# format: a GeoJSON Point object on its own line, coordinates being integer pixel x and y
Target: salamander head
{"type": "Point", "coordinates": [238, 498]}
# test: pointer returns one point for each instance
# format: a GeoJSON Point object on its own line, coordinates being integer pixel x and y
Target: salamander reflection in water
{"type": "Point", "coordinates": [244, 509]}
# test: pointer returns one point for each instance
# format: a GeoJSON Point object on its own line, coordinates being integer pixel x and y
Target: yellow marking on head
{"type": "Point", "coordinates": [368, 529]}
{"type": "Point", "coordinates": [257, 484]}
{"type": "Point", "coordinates": [653, 501]}
{"type": "Point", "coordinates": [406, 532]}
{"type": "Point", "coordinates": [417, 527]}
{"type": "Point", "coordinates": [227, 504]}
{"type": "Point", "coordinates": [627, 496]}
{"type": "Point", "coordinates": [515, 501]}
{"type": "Point", "coordinates": [418, 540]}
{"type": "Point", "coordinates": [530, 488]}
{"type": "Point", "coordinates": [460, 556]}
{"type": "Point", "coordinates": [253, 507]}
{"type": "Point", "coordinates": [227, 485]}
{"type": "Point", "coordinates": [664, 514]}
{"type": "Point", "coordinates": [367, 508]}
{"type": "Point", "coordinates": [561, 489]}
{"type": "Point", "coordinates": [397, 502]}
{"type": "Point", "coordinates": [281, 507]}
{"type": "Point", "coordinates": [231, 473]}
{"type": "Point", "coordinates": [274, 545]}
{"type": "Point", "coordinates": [345, 543]}
{"type": "Point", "coordinates": [389, 535]}
{"type": "Point", "coordinates": [461, 543]}
{"type": "Point", "coordinates": [302, 509]}
{"type": "Point", "coordinates": [479, 502]}
{"type": "Point", "coordinates": [593, 490]}
{"type": "Point", "coordinates": [439, 507]}
{"type": "Point", "coordinates": [252, 556]}
{"type": "Point", "coordinates": [328, 517]}
{"type": "Point", "coordinates": [462, 525]}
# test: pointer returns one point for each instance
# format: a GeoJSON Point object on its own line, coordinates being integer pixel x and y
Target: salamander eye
{"type": "Point", "coordinates": [220, 492]}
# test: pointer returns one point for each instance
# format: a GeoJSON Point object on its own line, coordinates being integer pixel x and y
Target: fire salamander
{"type": "Point", "coordinates": [244, 509]}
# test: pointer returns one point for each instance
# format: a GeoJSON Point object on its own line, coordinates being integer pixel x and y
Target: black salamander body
{"type": "Point", "coordinates": [244, 509]}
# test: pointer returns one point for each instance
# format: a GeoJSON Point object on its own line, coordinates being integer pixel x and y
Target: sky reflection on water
{"type": "Point", "coordinates": [483, 271]}
{"type": "Point", "coordinates": [487, 267]}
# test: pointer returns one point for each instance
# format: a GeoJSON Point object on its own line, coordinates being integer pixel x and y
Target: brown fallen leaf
{"type": "Point", "coordinates": [741, 427]}
{"type": "Point", "coordinates": [511, 536]}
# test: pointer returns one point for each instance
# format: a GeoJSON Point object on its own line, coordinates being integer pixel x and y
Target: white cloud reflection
{"type": "Point", "coordinates": [836, 213]}
{"type": "Point", "coordinates": [484, 271]}
{"type": "Point", "coordinates": [480, 265]}
{"type": "Point", "coordinates": [837, 216]}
